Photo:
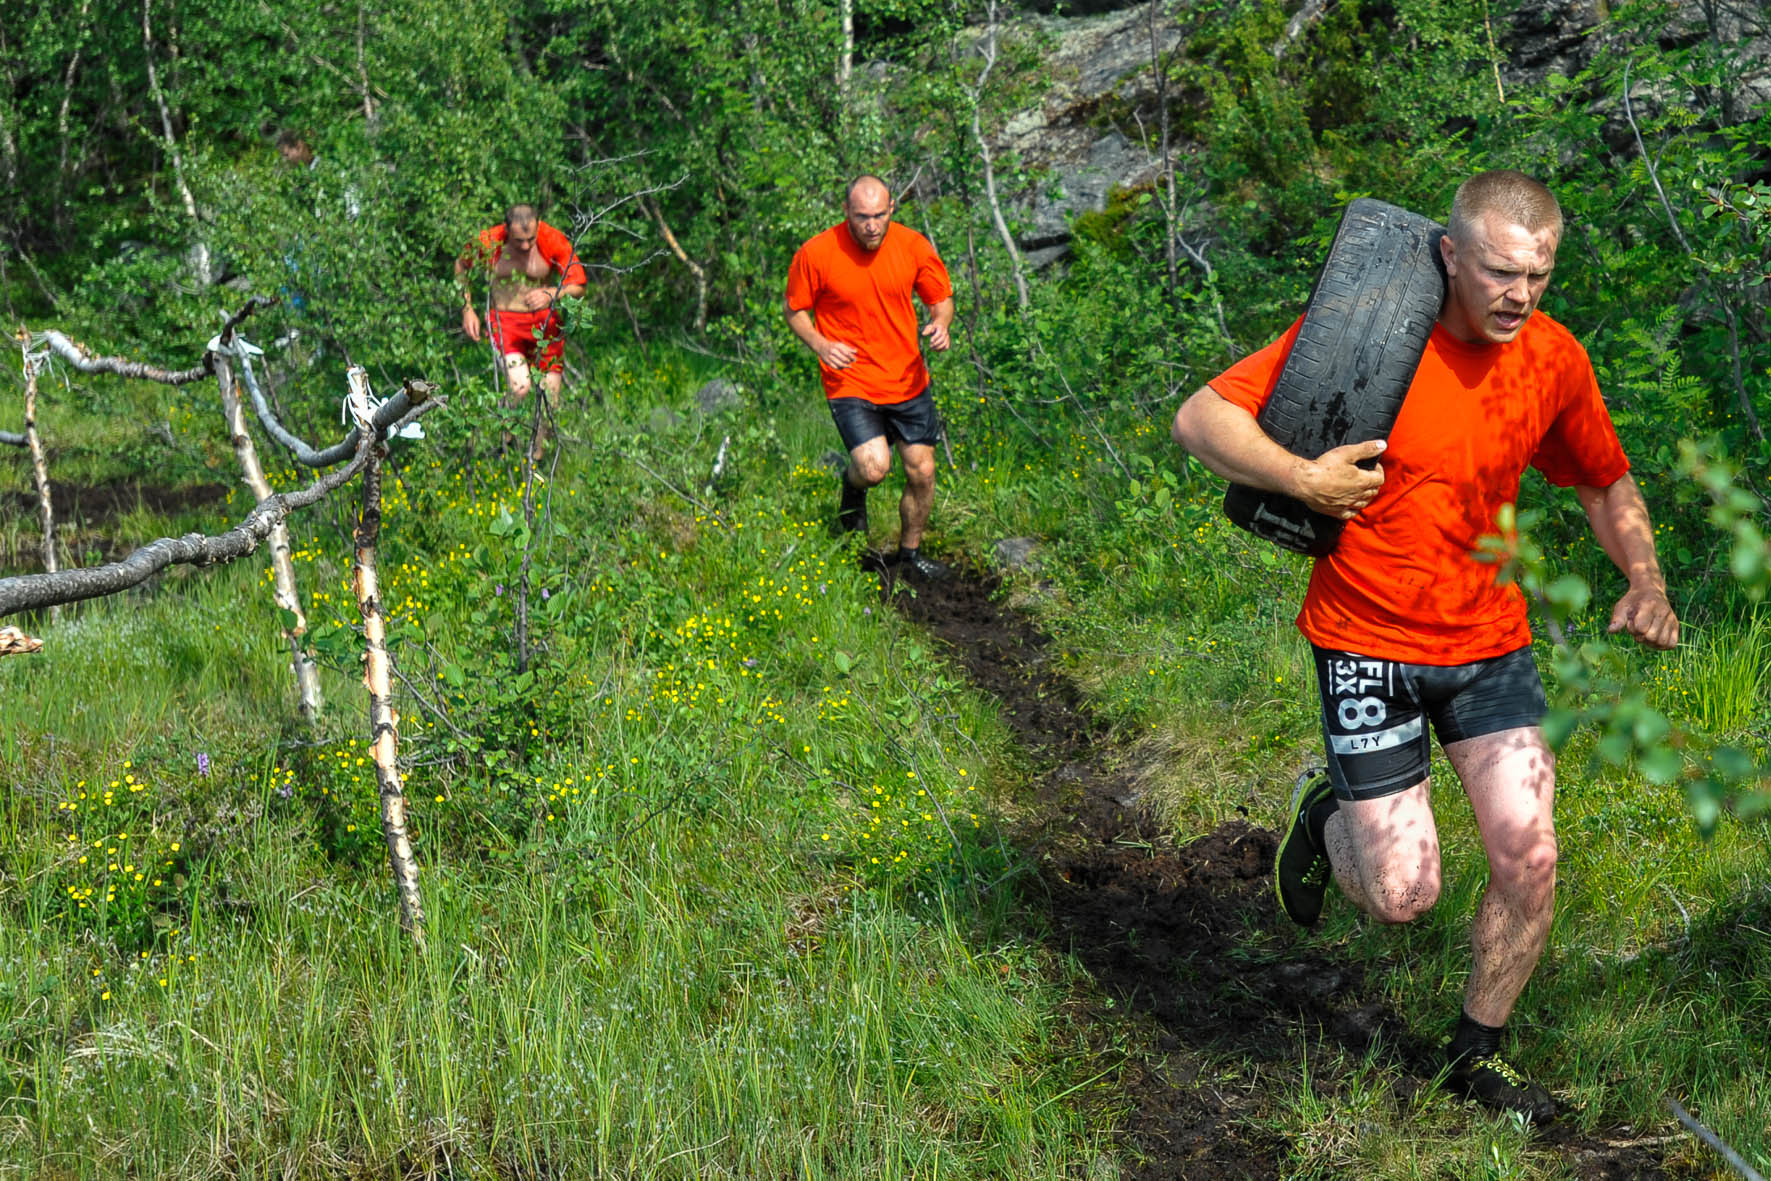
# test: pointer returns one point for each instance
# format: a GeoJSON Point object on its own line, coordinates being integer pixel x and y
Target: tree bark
{"type": "Point", "coordinates": [205, 273]}
{"type": "Point", "coordinates": [988, 51]}
{"type": "Point", "coordinates": [39, 471]}
{"type": "Point", "coordinates": [695, 268]}
{"type": "Point", "coordinates": [77, 356]}
{"type": "Point", "coordinates": [30, 592]}
{"type": "Point", "coordinates": [284, 591]}
{"type": "Point", "coordinates": [377, 679]}
{"type": "Point", "coordinates": [15, 643]}
{"type": "Point", "coordinates": [391, 414]}
{"type": "Point", "coordinates": [845, 58]}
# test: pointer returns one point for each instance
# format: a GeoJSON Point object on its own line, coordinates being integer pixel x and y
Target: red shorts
{"type": "Point", "coordinates": [517, 332]}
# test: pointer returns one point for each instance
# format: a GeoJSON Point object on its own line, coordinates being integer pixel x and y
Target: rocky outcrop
{"type": "Point", "coordinates": [1098, 64]}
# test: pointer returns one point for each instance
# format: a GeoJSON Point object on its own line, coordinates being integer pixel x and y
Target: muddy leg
{"type": "Point", "coordinates": [1511, 781]}
{"type": "Point", "coordinates": [1385, 854]}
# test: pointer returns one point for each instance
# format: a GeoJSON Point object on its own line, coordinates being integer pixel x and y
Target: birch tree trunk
{"type": "Point", "coordinates": [377, 679]}
{"type": "Point", "coordinates": [988, 50]}
{"type": "Point", "coordinates": [845, 58]}
{"type": "Point", "coordinates": [205, 272]}
{"type": "Point", "coordinates": [284, 591]}
{"type": "Point", "coordinates": [682, 256]}
{"type": "Point", "coordinates": [39, 471]}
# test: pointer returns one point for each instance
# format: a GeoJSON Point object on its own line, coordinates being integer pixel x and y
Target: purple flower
{"type": "Point", "coordinates": [202, 763]}
{"type": "Point", "coordinates": [286, 791]}
{"type": "Point", "coordinates": [544, 594]}
{"type": "Point", "coordinates": [867, 610]}
{"type": "Point", "coordinates": [750, 662]}
{"type": "Point", "coordinates": [499, 589]}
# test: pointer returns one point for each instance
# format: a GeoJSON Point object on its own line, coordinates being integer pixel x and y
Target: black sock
{"type": "Point", "coordinates": [1472, 1039]}
{"type": "Point", "coordinates": [909, 553]}
{"type": "Point", "coordinates": [1316, 820]}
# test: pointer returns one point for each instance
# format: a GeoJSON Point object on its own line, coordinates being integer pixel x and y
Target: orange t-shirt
{"type": "Point", "coordinates": [862, 298]}
{"type": "Point", "coordinates": [1403, 584]}
{"type": "Point", "coordinates": [554, 246]}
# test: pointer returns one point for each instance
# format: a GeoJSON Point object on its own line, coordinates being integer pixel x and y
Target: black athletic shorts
{"type": "Point", "coordinates": [914, 422]}
{"type": "Point", "coordinates": [1372, 713]}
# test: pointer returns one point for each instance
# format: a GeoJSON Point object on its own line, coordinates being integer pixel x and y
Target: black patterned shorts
{"type": "Point", "coordinates": [1374, 713]}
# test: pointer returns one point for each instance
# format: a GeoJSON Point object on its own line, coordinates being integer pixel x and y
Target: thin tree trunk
{"type": "Point", "coordinates": [39, 471]}
{"type": "Point", "coordinates": [845, 59]}
{"type": "Point", "coordinates": [67, 96]}
{"type": "Point", "coordinates": [76, 355]}
{"type": "Point", "coordinates": [205, 273]}
{"type": "Point", "coordinates": [977, 96]}
{"type": "Point", "coordinates": [377, 679]}
{"type": "Point", "coordinates": [363, 70]}
{"type": "Point", "coordinates": [1170, 210]}
{"type": "Point", "coordinates": [284, 591]}
{"type": "Point", "coordinates": [695, 268]}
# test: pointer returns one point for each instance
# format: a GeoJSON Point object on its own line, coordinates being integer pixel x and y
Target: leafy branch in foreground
{"type": "Point", "coordinates": [1594, 687]}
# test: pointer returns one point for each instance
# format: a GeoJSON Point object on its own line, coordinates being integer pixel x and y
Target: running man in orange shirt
{"type": "Point", "coordinates": [532, 266]}
{"type": "Point", "coordinates": [1408, 627]}
{"type": "Point", "coordinates": [849, 300]}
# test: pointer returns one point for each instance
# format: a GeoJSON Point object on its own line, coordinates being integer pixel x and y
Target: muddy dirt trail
{"type": "Point", "coordinates": [1195, 968]}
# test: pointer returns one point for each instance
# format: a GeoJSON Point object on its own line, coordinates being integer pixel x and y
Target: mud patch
{"type": "Point", "coordinates": [1193, 962]}
{"type": "Point", "coordinates": [86, 514]}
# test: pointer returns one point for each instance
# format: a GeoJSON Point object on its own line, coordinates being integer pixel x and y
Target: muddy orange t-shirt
{"type": "Point", "coordinates": [1403, 583]}
{"type": "Point", "coordinates": [554, 246]}
{"type": "Point", "coordinates": [862, 298]}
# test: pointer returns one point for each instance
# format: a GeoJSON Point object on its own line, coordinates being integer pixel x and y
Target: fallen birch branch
{"type": "Point", "coordinates": [75, 354]}
{"type": "Point", "coordinates": [387, 419]}
{"type": "Point", "coordinates": [29, 592]}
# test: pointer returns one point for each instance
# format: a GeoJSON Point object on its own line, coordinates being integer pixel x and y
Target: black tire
{"type": "Point", "coordinates": [1364, 330]}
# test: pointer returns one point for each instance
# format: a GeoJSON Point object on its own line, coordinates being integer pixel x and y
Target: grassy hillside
{"type": "Point", "coordinates": [723, 883]}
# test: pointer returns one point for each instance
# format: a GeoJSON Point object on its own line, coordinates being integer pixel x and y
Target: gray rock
{"type": "Point", "coordinates": [836, 461]}
{"type": "Point", "coordinates": [717, 395]}
{"type": "Point", "coordinates": [1095, 63]}
{"type": "Point", "coordinates": [1016, 553]}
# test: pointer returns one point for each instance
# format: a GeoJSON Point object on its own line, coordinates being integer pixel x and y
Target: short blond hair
{"type": "Point", "coordinates": [1512, 196]}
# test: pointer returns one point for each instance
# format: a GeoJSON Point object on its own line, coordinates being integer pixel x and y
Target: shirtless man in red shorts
{"type": "Point", "coordinates": [533, 265]}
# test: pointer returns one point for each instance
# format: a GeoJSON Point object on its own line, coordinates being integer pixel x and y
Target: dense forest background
{"type": "Point", "coordinates": [729, 870]}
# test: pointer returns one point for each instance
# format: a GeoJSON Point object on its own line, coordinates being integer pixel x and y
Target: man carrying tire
{"type": "Point", "coordinates": [1408, 626]}
{"type": "Point", "coordinates": [848, 301]}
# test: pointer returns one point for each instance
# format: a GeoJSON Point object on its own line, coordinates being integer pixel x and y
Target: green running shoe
{"type": "Point", "coordinates": [1498, 1085]}
{"type": "Point", "coordinates": [1301, 870]}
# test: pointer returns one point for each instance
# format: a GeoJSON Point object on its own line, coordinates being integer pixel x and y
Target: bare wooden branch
{"type": "Point", "coordinates": [39, 468]}
{"type": "Point", "coordinates": [284, 592]}
{"type": "Point", "coordinates": [12, 439]}
{"type": "Point", "coordinates": [1734, 1159]}
{"type": "Point", "coordinates": [1741, 396]}
{"type": "Point", "coordinates": [205, 273]}
{"type": "Point", "coordinates": [976, 93]}
{"type": "Point", "coordinates": [29, 592]}
{"type": "Point", "coordinates": [383, 721]}
{"type": "Point", "coordinates": [695, 268]}
{"type": "Point", "coordinates": [387, 419]}
{"type": "Point", "coordinates": [76, 355]}
{"type": "Point", "coordinates": [16, 643]}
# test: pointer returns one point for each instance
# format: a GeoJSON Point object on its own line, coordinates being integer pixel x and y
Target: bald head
{"type": "Point", "coordinates": [868, 211]}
